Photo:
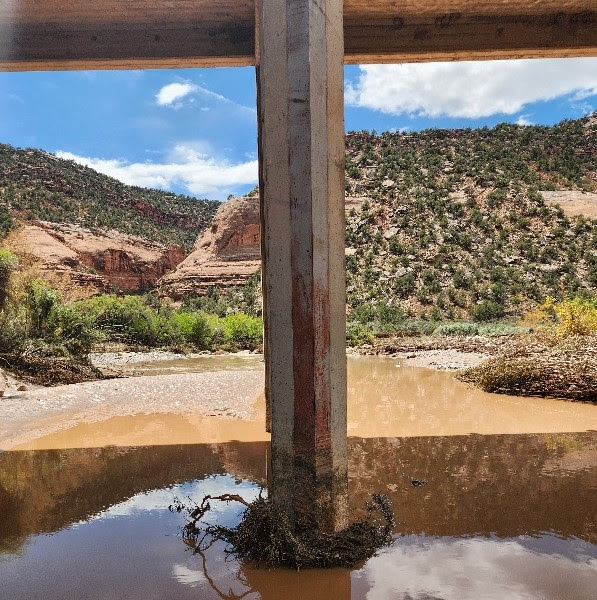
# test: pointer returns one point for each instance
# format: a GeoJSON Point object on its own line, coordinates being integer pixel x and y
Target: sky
{"type": "Point", "coordinates": [194, 131]}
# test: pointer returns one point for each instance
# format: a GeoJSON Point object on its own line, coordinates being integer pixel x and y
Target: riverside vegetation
{"type": "Point", "coordinates": [47, 340]}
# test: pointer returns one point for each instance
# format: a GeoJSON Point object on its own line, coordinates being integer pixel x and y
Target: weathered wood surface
{"type": "Point", "coordinates": [301, 147]}
{"type": "Point", "coordinates": [70, 34]}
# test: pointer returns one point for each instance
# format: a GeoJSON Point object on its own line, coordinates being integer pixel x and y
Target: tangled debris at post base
{"type": "Point", "coordinates": [264, 535]}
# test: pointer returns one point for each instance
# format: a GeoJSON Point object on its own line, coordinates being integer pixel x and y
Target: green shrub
{"type": "Point", "coordinates": [417, 327]}
{"type": "Point", "coordinates": [378, 316]}
{"type": "Point", "coordinates": [488, 310]}
{"type": "Point", "coordinates": [41, 299]}
{"type": "Point", "coordinates": [405, 285]}
{"type": "Point", "coordinates": [195, 328]}
{"type": "Point", "coordinates": [497, 329]}
{"type": "Point", "coordinates": [243, 331]}
{"type": "Point", "coordinates": [126, 319]}
{"type": "Point", "coordinates": [8, 264]}
{"type": "Point", "coordinates": [358, 334]}
{"type": "Point", "coordinates": [6, 222]}
{"type": "Point", "coordinates": [68, 326]}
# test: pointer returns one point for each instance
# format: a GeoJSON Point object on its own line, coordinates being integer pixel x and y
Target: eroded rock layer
{"type": "Point", "coordinates": [96, 261]}
{"type": "Point", "coordinates": [225, 256]}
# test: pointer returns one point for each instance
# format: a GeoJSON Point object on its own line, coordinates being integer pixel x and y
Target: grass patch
{"type": "Point", "coordinates": [456, 329]}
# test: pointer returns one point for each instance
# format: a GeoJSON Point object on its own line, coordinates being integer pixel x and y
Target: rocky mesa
{"type": "Point", "coordinates": [226, 254]}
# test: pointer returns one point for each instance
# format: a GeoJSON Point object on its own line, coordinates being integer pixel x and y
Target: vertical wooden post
{"type": "Point", "coordinates": [301, 149]}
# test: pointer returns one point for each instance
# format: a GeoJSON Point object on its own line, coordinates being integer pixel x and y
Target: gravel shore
{"type": "Point", "coordinates": [33, 413]}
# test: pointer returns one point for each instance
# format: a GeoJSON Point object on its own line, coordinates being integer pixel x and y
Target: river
{"type": "Point", "coordinates": [507, 510]}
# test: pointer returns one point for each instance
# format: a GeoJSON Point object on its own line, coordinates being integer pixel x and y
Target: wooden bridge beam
{"type": "Point", "coordinates": [301, 146]}
{"type": "Point", "coordinates": [132, 34]}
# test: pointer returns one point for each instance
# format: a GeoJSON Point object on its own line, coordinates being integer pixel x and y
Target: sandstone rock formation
{"type": "Point", "coordinates": [96, 261]}
{"type": "Point", "coordinates": [228, 253]}
{"type": "Point", "coordinates": [225, 256]}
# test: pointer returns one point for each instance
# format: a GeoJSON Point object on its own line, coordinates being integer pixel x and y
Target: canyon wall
{"type": "Point", "coordinates": [88, 262]}
{"type": "Point", "coordinates": [225, 256]}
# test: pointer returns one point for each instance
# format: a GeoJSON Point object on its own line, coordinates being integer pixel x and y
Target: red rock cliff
{"type": "Point", "coordinates": [225, 255]}
{"type": "Point", "coordinates": [96, 261]}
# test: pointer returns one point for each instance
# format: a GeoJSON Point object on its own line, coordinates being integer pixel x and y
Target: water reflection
{"type": "Point", "coordinates": [468, 569]}
{"type": "Point", "coordinates": [477, 529]}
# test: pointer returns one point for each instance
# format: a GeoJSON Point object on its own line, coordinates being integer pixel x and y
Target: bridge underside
{"type": "Point", "coordinates": [299, 47]}
{"type": "Point", "coordinates": [119, 34]}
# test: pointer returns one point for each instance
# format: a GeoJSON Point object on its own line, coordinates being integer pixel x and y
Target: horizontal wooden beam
{"type": "Point", "coordinates": [109, 34]}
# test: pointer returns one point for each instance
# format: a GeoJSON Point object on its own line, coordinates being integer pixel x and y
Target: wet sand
{"type": "Point", "coordinates": [443, 360]}
{"type": "Point", "coordinates": [385, 399]}
{"type": "Point", "coordinates": [33, 414]}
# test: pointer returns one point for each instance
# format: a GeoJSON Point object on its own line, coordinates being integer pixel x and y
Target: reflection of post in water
{"type": "Point", "coordinates": [273, 584]}
{"type": "Point", "coordinates": [301, 151]}
{"type": "Point", "coordinates": [212, 584]}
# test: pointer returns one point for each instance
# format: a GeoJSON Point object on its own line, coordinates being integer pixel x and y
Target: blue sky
{"type": "Point", "coordinates": [194, 130]}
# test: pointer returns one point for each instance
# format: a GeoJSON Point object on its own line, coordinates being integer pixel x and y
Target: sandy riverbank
{"type": "Point", "coordinates": [441, 359]}
{"type": "Point", "coordinates": [34, 413]}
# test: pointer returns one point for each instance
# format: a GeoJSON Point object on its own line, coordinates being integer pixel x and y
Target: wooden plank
{"type": "Point", "coordinates": [455, 36]}
{"type": "Point", "coordinates": [61, 34]}
{"type": "Point", "coordinates": [301, 145]}
{"type": "Point", "coordinates": [274, 185]}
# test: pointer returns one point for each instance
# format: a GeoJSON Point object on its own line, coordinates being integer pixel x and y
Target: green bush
{"type": "Point", "coordinates": [243, 331]}
{"type": "Point", "coordinates": [358, 334]}
{"type": "Point", "coordinates": [40, 301]}
{"type": "Point", "coordinates": [417, 327]}
{"type": "Point", "coordinates": [68, 326]}
{"type": "Point", "coordinates": [497, 329]}
{"type": "Point", "coordinates": [8, 263]}
{"type": "Point", "coordinates": [488, 310]}
{"type": "Point", "coordinates": [195, 328]}
{"type": "Point", "coordinates": [126, 319]}
{"type": "Point", "coordinates": [378, 316]}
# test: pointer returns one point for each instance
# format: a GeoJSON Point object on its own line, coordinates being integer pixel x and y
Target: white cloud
{"type": "Point", "coordinates": [523, 121]}
{"type": "Point", "coordinates": [188, 165]}
{"type": "Point", "coordinates": [469, 569]}
{"type": "Point", "coordinates": [171, 93]}
{"type": "Point", "coordinates": [470, 89]}
{"type": "Point", "coordinates": [187, 576]}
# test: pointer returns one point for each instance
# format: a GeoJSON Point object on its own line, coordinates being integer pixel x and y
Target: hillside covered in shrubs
{"type": "Point", "coordinates": [452, 224]}
{"type": "Point", "coordinates": [35, 185]}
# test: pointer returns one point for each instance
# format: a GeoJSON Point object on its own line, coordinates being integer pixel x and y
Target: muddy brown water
{"type": "Point", "coordinates": [508, 510]}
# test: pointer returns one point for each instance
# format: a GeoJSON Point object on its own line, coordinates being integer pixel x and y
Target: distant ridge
{"type": "Point", "coordinates": [90, 232]}
{"type": "Point", "coordinates": [442, 223]}
{"type": "Point", "coordinates": [36, 185]}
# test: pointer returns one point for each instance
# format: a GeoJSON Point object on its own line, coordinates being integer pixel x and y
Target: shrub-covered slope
{"type": "Point", "coordinates": [452, 224]}
{"type": "Point", "coordinates": [35, 185]}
